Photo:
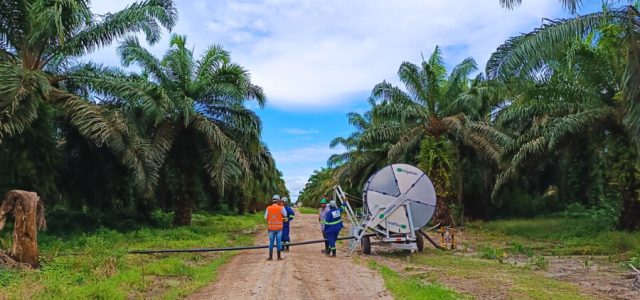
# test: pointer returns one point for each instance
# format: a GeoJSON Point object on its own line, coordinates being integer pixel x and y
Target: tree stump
{"type": "Point", "coordinates": [28, 212]}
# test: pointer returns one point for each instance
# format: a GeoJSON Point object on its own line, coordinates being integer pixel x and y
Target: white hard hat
{"type": "Point", "coordinates": [275, 198]}
{"type": "Point", "coordinates": [285, 199]}
{"type": "Point", "coordinates": [333, 203]}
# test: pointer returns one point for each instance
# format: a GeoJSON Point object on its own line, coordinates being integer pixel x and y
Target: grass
{"type": "Point", "coordinates": [308, 210]}
{"type": "Point", "coordinates": [96, 265]}
{"type": "Point", "coordinates": [492, 273]}
{"type": "Point", "coordinates": [557, 236]}
{"type": "Point", "coordinates": [488, 277]}
{"type": "Point", "coordinates": [413, 287]}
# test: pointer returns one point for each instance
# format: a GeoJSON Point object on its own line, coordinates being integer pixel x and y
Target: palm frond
{"type": "Point", "coordinates": [407, 143]}
{"type": "Point", "coordinates": [523, 55]}
{"type": "Point", "coordinates": [145, 16]}
{"type": "Point", "coordinates": [409, 74]}
{"type": "Point", "coordinates": [631, 78]}
{"type": "Point", "coordinates": [130, 91]}
{"type": "Point", "coordinates": [20, 94]}
{"type": "Point", "coordinates": [214, 58]}
{"type": "Point", "coordinates": [131, 52]}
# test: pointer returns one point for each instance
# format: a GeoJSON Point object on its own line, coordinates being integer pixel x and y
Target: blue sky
{"type": "Point", "coordinates": [318, 60]}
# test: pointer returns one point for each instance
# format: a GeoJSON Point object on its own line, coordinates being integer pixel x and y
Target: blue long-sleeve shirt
{"type": "Point", "coordinates": [290, 215]}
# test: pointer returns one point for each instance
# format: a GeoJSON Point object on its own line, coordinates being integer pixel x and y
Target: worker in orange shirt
{"type": "Point", "coordinates": [275, 215]}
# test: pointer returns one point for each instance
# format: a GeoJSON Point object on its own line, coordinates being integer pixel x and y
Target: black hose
{"type": "Point", "coordinates": [197, 250]}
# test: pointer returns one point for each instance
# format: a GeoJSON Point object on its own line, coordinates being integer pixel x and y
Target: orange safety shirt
{"type": "Point", "coordinates": [275, 219]}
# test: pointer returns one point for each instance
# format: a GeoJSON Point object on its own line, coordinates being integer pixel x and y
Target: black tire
{"type": "Point", "coordinates": [419, 241]}
{"type": "Point", "coordinates": [366, 244]}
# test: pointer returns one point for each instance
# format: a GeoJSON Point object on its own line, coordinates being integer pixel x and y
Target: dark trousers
{"type": "Point", "coordinates": [332, 237]}
{"type": "Point", "coordinates": [285, 233]}
{"type": "Point", "coordinates": [326, 243]}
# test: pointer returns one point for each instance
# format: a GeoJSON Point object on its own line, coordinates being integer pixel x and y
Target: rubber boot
{"type": "Point", "coordinates": [271, 255]}
{"type": "Point", "coordinates": [279, 257]}
{"type": "Point", "coordinates": [333, 253]}
{"type": "Point", "coordinates": [327, 251]}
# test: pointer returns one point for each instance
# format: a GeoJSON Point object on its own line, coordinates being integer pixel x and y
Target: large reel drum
{"type": "Point", "coordinates": [394, 181]}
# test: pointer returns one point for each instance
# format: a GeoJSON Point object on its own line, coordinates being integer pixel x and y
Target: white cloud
{"type": "Point", "coordinates": [299, 131]}
{"type": "Point", "coordinates": [308, 54]}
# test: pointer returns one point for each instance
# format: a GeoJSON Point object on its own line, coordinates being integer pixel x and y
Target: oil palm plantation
{"type": "Point", "coordinates": [192, 110]}
{"type": "Point", "coordinates": [574, 78]}
{"type": "Point", "coordinates": [39, 40]}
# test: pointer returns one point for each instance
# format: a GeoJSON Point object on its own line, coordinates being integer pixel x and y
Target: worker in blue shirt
{"type": "Point", "coordinates": [333, 225]}
{"type": "Point", "coordinates": [286, 240]}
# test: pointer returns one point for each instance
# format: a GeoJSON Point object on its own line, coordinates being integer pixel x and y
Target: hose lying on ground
{"type": "Point", "coordinates": [196, 250]}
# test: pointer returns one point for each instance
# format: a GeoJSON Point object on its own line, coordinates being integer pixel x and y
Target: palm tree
{"type": "Point", "coordinates": [433, 105]}
{"type": "Point", "coordinates": [39, 40]}
{"type": "Point", "coordinates": [361, 159]}
{"type": "Point", "coordinates": [193, 111]}
{"type": "Point", "coordinates": [571, 79]}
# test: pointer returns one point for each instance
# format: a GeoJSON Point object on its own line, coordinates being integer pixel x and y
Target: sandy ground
{"type": "Point", "coordinates": [599, 278]}
{"type": "Point", "coordinates": [304, 274]}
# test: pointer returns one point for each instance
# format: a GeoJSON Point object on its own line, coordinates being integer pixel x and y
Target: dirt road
{"type": "Point", "coordinates": [304, 274]}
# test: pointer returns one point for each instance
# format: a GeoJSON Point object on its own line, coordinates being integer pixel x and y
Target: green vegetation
{"type": "Point", "coordinates": [555, 236]}
{"type": "Point", "coordinates": [96, 266]}
{"type": "Point", "coordinates": [489, 277]}
{"type": "Point", "coordinates": [413, 287]}
{"type": "Point", "coordinates": [308, 210]}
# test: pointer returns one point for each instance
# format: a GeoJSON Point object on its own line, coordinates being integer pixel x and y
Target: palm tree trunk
{"type": "Point", "coordinates": [184, 198]}
{"type": "Point", "coordinates": [630, 208]}
{"type": "Point", "coordinates": [629, 184]}
{"type": "Point", "coordinates": [443, 214]}
{"type": "Point", "coordinates": [28, 213]}
{"type": "Point", "coordinates": [630, 212]}
{"type": "Point", "coordinates": [460, 180]}
{"type": "Point", "coordinates": [182, 214]}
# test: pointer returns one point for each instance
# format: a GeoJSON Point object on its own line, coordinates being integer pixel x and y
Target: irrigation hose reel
{"type": "Point", "coordinates": [398, 200]}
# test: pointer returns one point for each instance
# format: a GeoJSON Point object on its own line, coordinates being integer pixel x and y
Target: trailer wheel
{"type": "Point", "coordinates": [419, 241]}
{"type": "Point", "coordinates": [366, 244]}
